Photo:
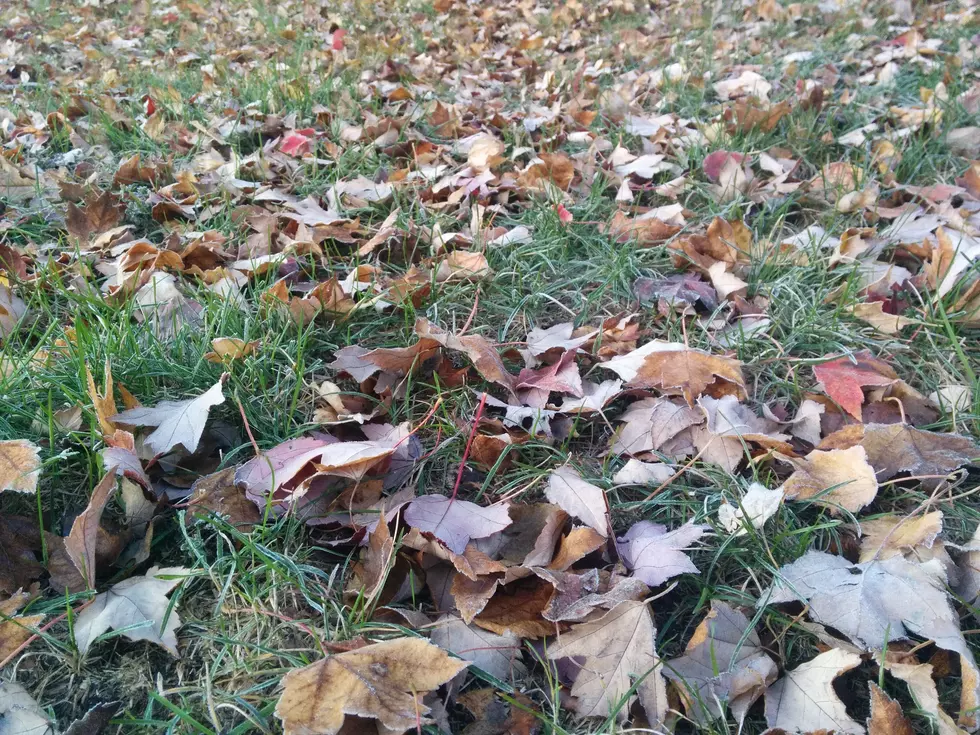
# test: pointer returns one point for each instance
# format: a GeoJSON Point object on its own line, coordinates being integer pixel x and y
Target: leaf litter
{"type": "Point", "coordinates": [382, 199]}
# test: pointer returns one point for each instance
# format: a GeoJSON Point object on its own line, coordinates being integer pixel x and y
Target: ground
{"type": "Point", "coordinates": [312, 177]}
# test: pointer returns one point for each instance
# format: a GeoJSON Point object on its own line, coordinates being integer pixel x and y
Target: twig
{"type": "Point", "coordinates": [248, 429]}
{"type": "Point", "coordinates": [677, 474]}
{"type": "Point", "coordinates": [469, 319]}
{"type": "Point", "coordinates": [469, 443]}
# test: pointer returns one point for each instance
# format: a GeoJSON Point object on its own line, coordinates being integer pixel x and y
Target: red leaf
{"type": "Point", "coordinates": [563, 214]}
{"type": "Point", "coordinates": [295, 144]}
{"type": "Point", "coordinates": [338, 39]}
{"type": "Point", "coordinates": [844, 379]}
{"type": "Point", "coordinates": [713, 163]}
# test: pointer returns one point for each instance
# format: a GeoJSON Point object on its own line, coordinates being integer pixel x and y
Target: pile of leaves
{"type": "Point", "coordinates": [486, 500]}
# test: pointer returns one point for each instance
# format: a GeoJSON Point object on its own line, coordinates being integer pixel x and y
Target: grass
{"type": "Point", "coordinates": [262, 603]}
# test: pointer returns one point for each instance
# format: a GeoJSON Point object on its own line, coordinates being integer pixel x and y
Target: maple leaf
{"type": "Point", "coordinates": [875, 602]}
{"type": "Point", "coordinates": [839, 477]}
{"type": "Point", "coordinates": [617, 647]}
{"type": "Point", "coordinates": [497, 655]}
{"type": "Point", "coordinates": [893, 449]}
{"type": "Point", "coordinates": [176, 422]}
{"type": "Point", "coordinates": [653, 422]}
{"type": "Point", "coordinates": [655, 554]}
{"type": "Point", "coordinates": [219, 494]}
{"type": "Point", "coordinates": [577, 595]}
{"type": "Point", "coordinates": [20, 466]}
{"type": "Point", "coordinates": [101, 212]}
{"type": "Point", "coordinates": [915, 538]}
{"type": "Point", "coordinates": [382, 681]}
{"type": "Point", "coordinates": [844, 379]}
{"type": "Point", "coordinates": [674, 368]}
{"type": "Point", "coordinates": [455, 522]}
{"type": "Point", "coordinates": [578, 498]}
{"type": "Point", "coordinates": [483, 354]}
{"type": "Point", "coordinates": [804, 700]}
{"type": "Point", "coordinates": [561, 377]}
{"type": "Point", "coordinates": [137, 607]}
{"type": "Point", "coordinates": [723, 662]}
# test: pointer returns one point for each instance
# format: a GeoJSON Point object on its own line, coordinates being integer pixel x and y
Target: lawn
{"type": "Point", "coordinates": [571, 367]}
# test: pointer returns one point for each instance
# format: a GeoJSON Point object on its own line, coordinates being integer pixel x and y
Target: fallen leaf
{"type": "Point", "coordinates": [892, 535]}
{"type": "Point", "coordinates": [20, 466]}
{"type": "Point", "coordinates": [12, 310]}
{"type": "Point", "coordinates": [482, 354]}
{"type": "Point", "coordinates": [674, 368]}
{"type": "Point", "coordinates": [844, 379]}
{"type": "Point", "coordinates": [15, 629]}
{"type": "Point", "coordinates": [651, 423]}
{"type": "Point", "coordinates": [724, 662]}
{"type": "Point", "coordinates": [383, 681]}
{"type": "Point", "coordinates": [577, 595]}
{"type": "Point", "coordinates": [578, 498]}
{"type": "Point", "coordinates": [497, 655]}
{"type": "Point", "coordinates": [20, 538]}
{"type": "Point", "coordinates": [873, 313]}
{"type": "Point", "coordinates": [518, 608]}
{"type": "Point", "coordinates": [837, 478]}
{"type": "Point", "coordinates": [919, 678]}
{"type": "Point", "coordinates": [893, 449]}
{"type": "Point", "coordinates": [83, 539]}
{"type": "Point", "coordinates": [655, 554]}
{"type": "Point", "coordinates": [455, 522]}
{"type": "Point", "coordinates": [137, 607]}
{"type": "Point", "coordinates": [576, 545]}
{"type": "Point", "coordinates": [230, 348]}
{"type": "Point", "coordinates": [20, 714]}
{"type": "Point", "coordinates": [176, 422]}
{"type": "Point", "coordinates": [618, 647]}
{"type": "Point", "coordinates": [757, 506]}
{"type": "Point", "coordinates": [104, 403]}
{"type": "Point", "coordinates": [219, 494]}
{"type": "Point", "coordinates": [804, 700]}
{"type": "Point", "coordinates": [95, 721]}
{"type": "Point", "coordinates": [886, 714]}
{"type": "Point", "coordinates": [635, 472]}
{"type": "Point", "coordinates": [873, 603]}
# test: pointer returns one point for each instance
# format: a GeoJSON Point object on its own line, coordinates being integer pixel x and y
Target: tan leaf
{"type": "Point", "coordinates": [82, 541]}
{"type": "Point", "coordinates": [804, 700]}
{"type": "Point", "coordinates": [14, 629]}
{"type": "Point", "coordinates": [919, 679]}
{"type": "Point", "coordinates": [463, 265]}
{"type": "Point", "coordinates": [674, 368]}
{"type": "Point", "coordinates": [840, 477]}
{"type": "Point", "coordinates": [12, 308]}
{"type": "Point", "coordinates": [578, 498]}
{"type": "Point", "coordinates": [893, 535]}
{"type": "Point", "coordinates": [886, 715]}
{"type": "Point", "coordinates": [383, 681]}
{"type": "Point", "coordinates": [177, 422]}
{"type": "Point", "coordinates": [518, 608]}
{"type": "Point", "coordinates": [618, 647]}
{"type": "Point", "coordinates": [651, 423]}
{"type": "Point", "coordinates": [104, 403]}
{"type": "Point", "coordinates": [20, 466]}
{"type": "Point", "coordinates": [577, 544]}
{"type": "Point", "coordinates": [873, 312]}
{"type": "Point", "coordinates": [372, 570]}
{"type": "Point", "coordinates": [230, 348]}
{"type": "Point", "coordinates": [217, 493]}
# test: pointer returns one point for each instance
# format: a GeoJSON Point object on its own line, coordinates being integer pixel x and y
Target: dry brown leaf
{"type": "Point", "coordinates": [20, 466]}
{"type": "Point", "coordinates": [576, 545]}
{"type": "Point", "coordinates": [873, 312]}
{"type": "Point", "coordinates": [15, 629]}
{"type": "Point", "coordinates": [227, 349]}
{"type": "Point", "coordinates": [518, 608]}
{"type": "Point", "coordinates": [382, 681]}
{"type": "Point", "coordinates": [675, 369]}
{"type": "Point", "coordinates": [840, 477]}
{"type": "Point", "coordinates": [617, 648]}
{"type": "Point", "coordinates": [892, 535]}
{"type": "Point", "coordinates": [482, 354]}
{"type": "Point", "coordinates": [497, 655]}
{"type": "Point", "coordinates": [919, 678]}
{"type": "Point", "coordinates": [103, 403]}
{"type": "Point", "coordinates": [218, 493]}
{"type": "Point", "coordinates": [83, 539]}
{"type": "Point", "coordinates": [886, 715]}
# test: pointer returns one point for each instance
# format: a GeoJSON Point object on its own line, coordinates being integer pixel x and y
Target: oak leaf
{"type": "Point", "coordinates": [176, 422]}
{"type": "Point", "coordinates": [618, 647]}
{"type": "Point", "coordinates": [804, 700]}
{"type": "Point", "coordinates": [383, 681]}
{"type": "Point", "coordinates": [137, 607]}
{"type": "Point", "coordinates": [20, 465]}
